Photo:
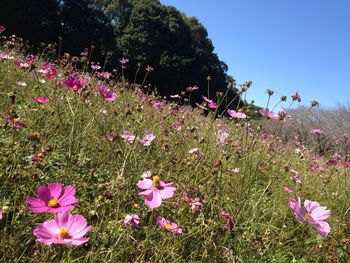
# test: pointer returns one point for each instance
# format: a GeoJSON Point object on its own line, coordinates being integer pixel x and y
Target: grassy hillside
{"type": "Point", "coordinates": [233, 183]}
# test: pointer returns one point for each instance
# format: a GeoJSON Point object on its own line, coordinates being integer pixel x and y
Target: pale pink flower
{"type": "Point", "coordinates": [316, 131]}
{"type": "Point", "coordinates": [193, 150]}
{"type": "Point", "coordinates": [176, 126]}
{"type": "Point", "coordinates": [168, 225]}
{"type": "Point", "coordinates": [222, 136]}
{"type": "Point", "coordinates": [155, 191]}
{"type": "Point", "coordinates": [21, 83]}
{"type": "Point", "coordinates": [147, 138]}
{"type": "Point", "coordinates": [297, 179]}
{"type": "Point", "coordinates": [269, 114]}
{"type": "Point", "coordinates": [149, 69]}
{"type": "Point", "coordinates": [312, 213]}
{"type": "Point", "coordinates": [65, 229]}
{"type": "Point", "coordinates": [133, 220]}
{"type": "Point", "coordinates": [53, 199]}
{"type": "Point", "coordinates": [128, 136]}
{"type": "Point", "coordinates": [102, 110]}
{"type": "Point", "coordinates": [287, 189]}
{"type": "Point", "coordinates": [236, 115]}
{"type": "Point", "coordinates": [147, 174]}
{"type": "Point", "coordinates": [42, 100]}
{"type": "Point", "coordinates": [95, 67]}
{"type": "Point", "coordinates": [176, 96]}
{"type": "Point", "coordinates": [196, 204]}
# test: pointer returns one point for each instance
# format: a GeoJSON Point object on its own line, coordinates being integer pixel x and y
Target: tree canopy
{"type": "Point", "coordinates": [145, 31]}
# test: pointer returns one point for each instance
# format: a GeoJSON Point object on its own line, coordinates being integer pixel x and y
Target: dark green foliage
{"type": "Point", "coordinates": [145, 31]}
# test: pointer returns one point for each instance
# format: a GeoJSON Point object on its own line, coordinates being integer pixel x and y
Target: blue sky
{"type": "Point", "coordinates": [283, 45]}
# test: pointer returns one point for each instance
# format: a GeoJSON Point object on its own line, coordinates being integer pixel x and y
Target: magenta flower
{"type": "Point", "coordinates": [155, 191]}
{"type": "Point", "coordinates": [229, 221]}
{"type": "Point", "coordinates": [128, 136]}
{"type": "Point", "coordinates": [65, 229]}
{"type": "Point", "coordinates": [168, 225]}
{"type": "Point", "coordinates": [106, 93]}
{"type": "Point", "coordinates": [269, 114]}
{"type": "Point", "coordinates": [147, 138]}
{"type": "Point", "coordinates": [211, 103]}
{"type": "Point", "coordinates": [52, 199]}
{"type": "Point", "coordinates": [1, 215]}
{"type": "Point", "coordinates": [123, 61]}
{"type": "Point", "coordinates": [42, 100]}
{"type": "Point", "coordinates": [312, 213]}
{"type": "Point", "coordinates": [38, 157]}
{"type": "Point", "coordinates": [74, 85]}
{"type": "Point", "coordinates": [282, 115]}
{"type": "Point", "coordinates": [133, 220]}
{"type": "Point", "coordinates": [346, 164]}
{"type": "Point", "coordinates": [49, 70]}
{"type": "Point", "coordinates": [16, 122]}
{"type": "Point", "coordinates": [2, 28]}
{"type": "Point", "coordinates": [236, 115]}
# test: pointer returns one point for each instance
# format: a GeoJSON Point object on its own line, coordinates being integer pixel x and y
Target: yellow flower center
{"type": "Point", "coordinates": [156, 180]}
{"type": "Point", "coordinates": [167, 227]}
{"type": "Point", "coordinates": [53, 203]}
{"type": "Point", "coordinates": [308, 216]}
{"type": "Point", "coordinates": [75, 87]}
{"type": "Point", "coordinates": [135, 206]}
{"type": "Point", "coordinates": [63, 233]}
{"type": "Point", "coordinates": [16, 120]}
{"type": "Point", "coordinates": [40, 155]}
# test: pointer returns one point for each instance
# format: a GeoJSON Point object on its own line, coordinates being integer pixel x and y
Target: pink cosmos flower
{"type": "Point", "coordinates": [296, 96]}
{"type": "Point", "coordinates": [16, 122]}
{"type": "Point", "coordinates": [288, 190]}
{"type": "Point", "coordinates": [176, 96]}
{"type": "Point", "coordinates": [53, 199]}
{"type": "Point", "coordinates": [168, 225]}
{"type": "Point", "coordinates": [133, 220]}
{"type": "Point", "coordinates": [2, 28]}
{"type": "Point", "coordinates": [106, 93]}
{"type": "Point", "coordinates": [42, 100]}
{"type": "Point", "coordinates": [1, 215]}
{"type": "Point", "coordinates": [236, 115]}
{"type": "Point", "coordinates": [229, 221]}
{"type": "Point", "coordinates": [147, 138]}
{"type": "Point", "coordinates": [312, 213]}
{"type": "Point", "coordinates": [346, 164]}
{"type": "Point", "coordinates": [196, 204]}
{"type": "Point", "coordinates": [297, 179]}
{"type": "Point", "coordinates": [316, 168]}
{"type": "Point", "coordinates": [316, 131]}
{"type": "Point", "coordinates": [155, 191]}
{"type": "Point", "coordinates": [128, 136]}
{"type": "Point", "coordinates": [123, 61]}
{"type": "Point", "coordinates": [211, 103]}
{"type": "Point", "coordinates": [282, 115]}
{"type": "Point", "coordinates": [38, 157]}
{"type": "Point", "coordinates": [222, 136]}
{"type": "Point", "coordinates": [23, 65]}
{"type": "Point", "coordinates": [176, 126]}
{"type": "Point", "coordinates": [95, 67]}
{"type": "Point", "coordinates": [149, 69]}
{"type": "Point", "coordinates": [74, 85]}
{"type": "Point", "coordinates": [269, 114]}
{"type": "Point", "coordinates": [65, 229]}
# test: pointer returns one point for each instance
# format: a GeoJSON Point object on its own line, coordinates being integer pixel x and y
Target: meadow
{"type": "Point", "coordinates": [97, 169]}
